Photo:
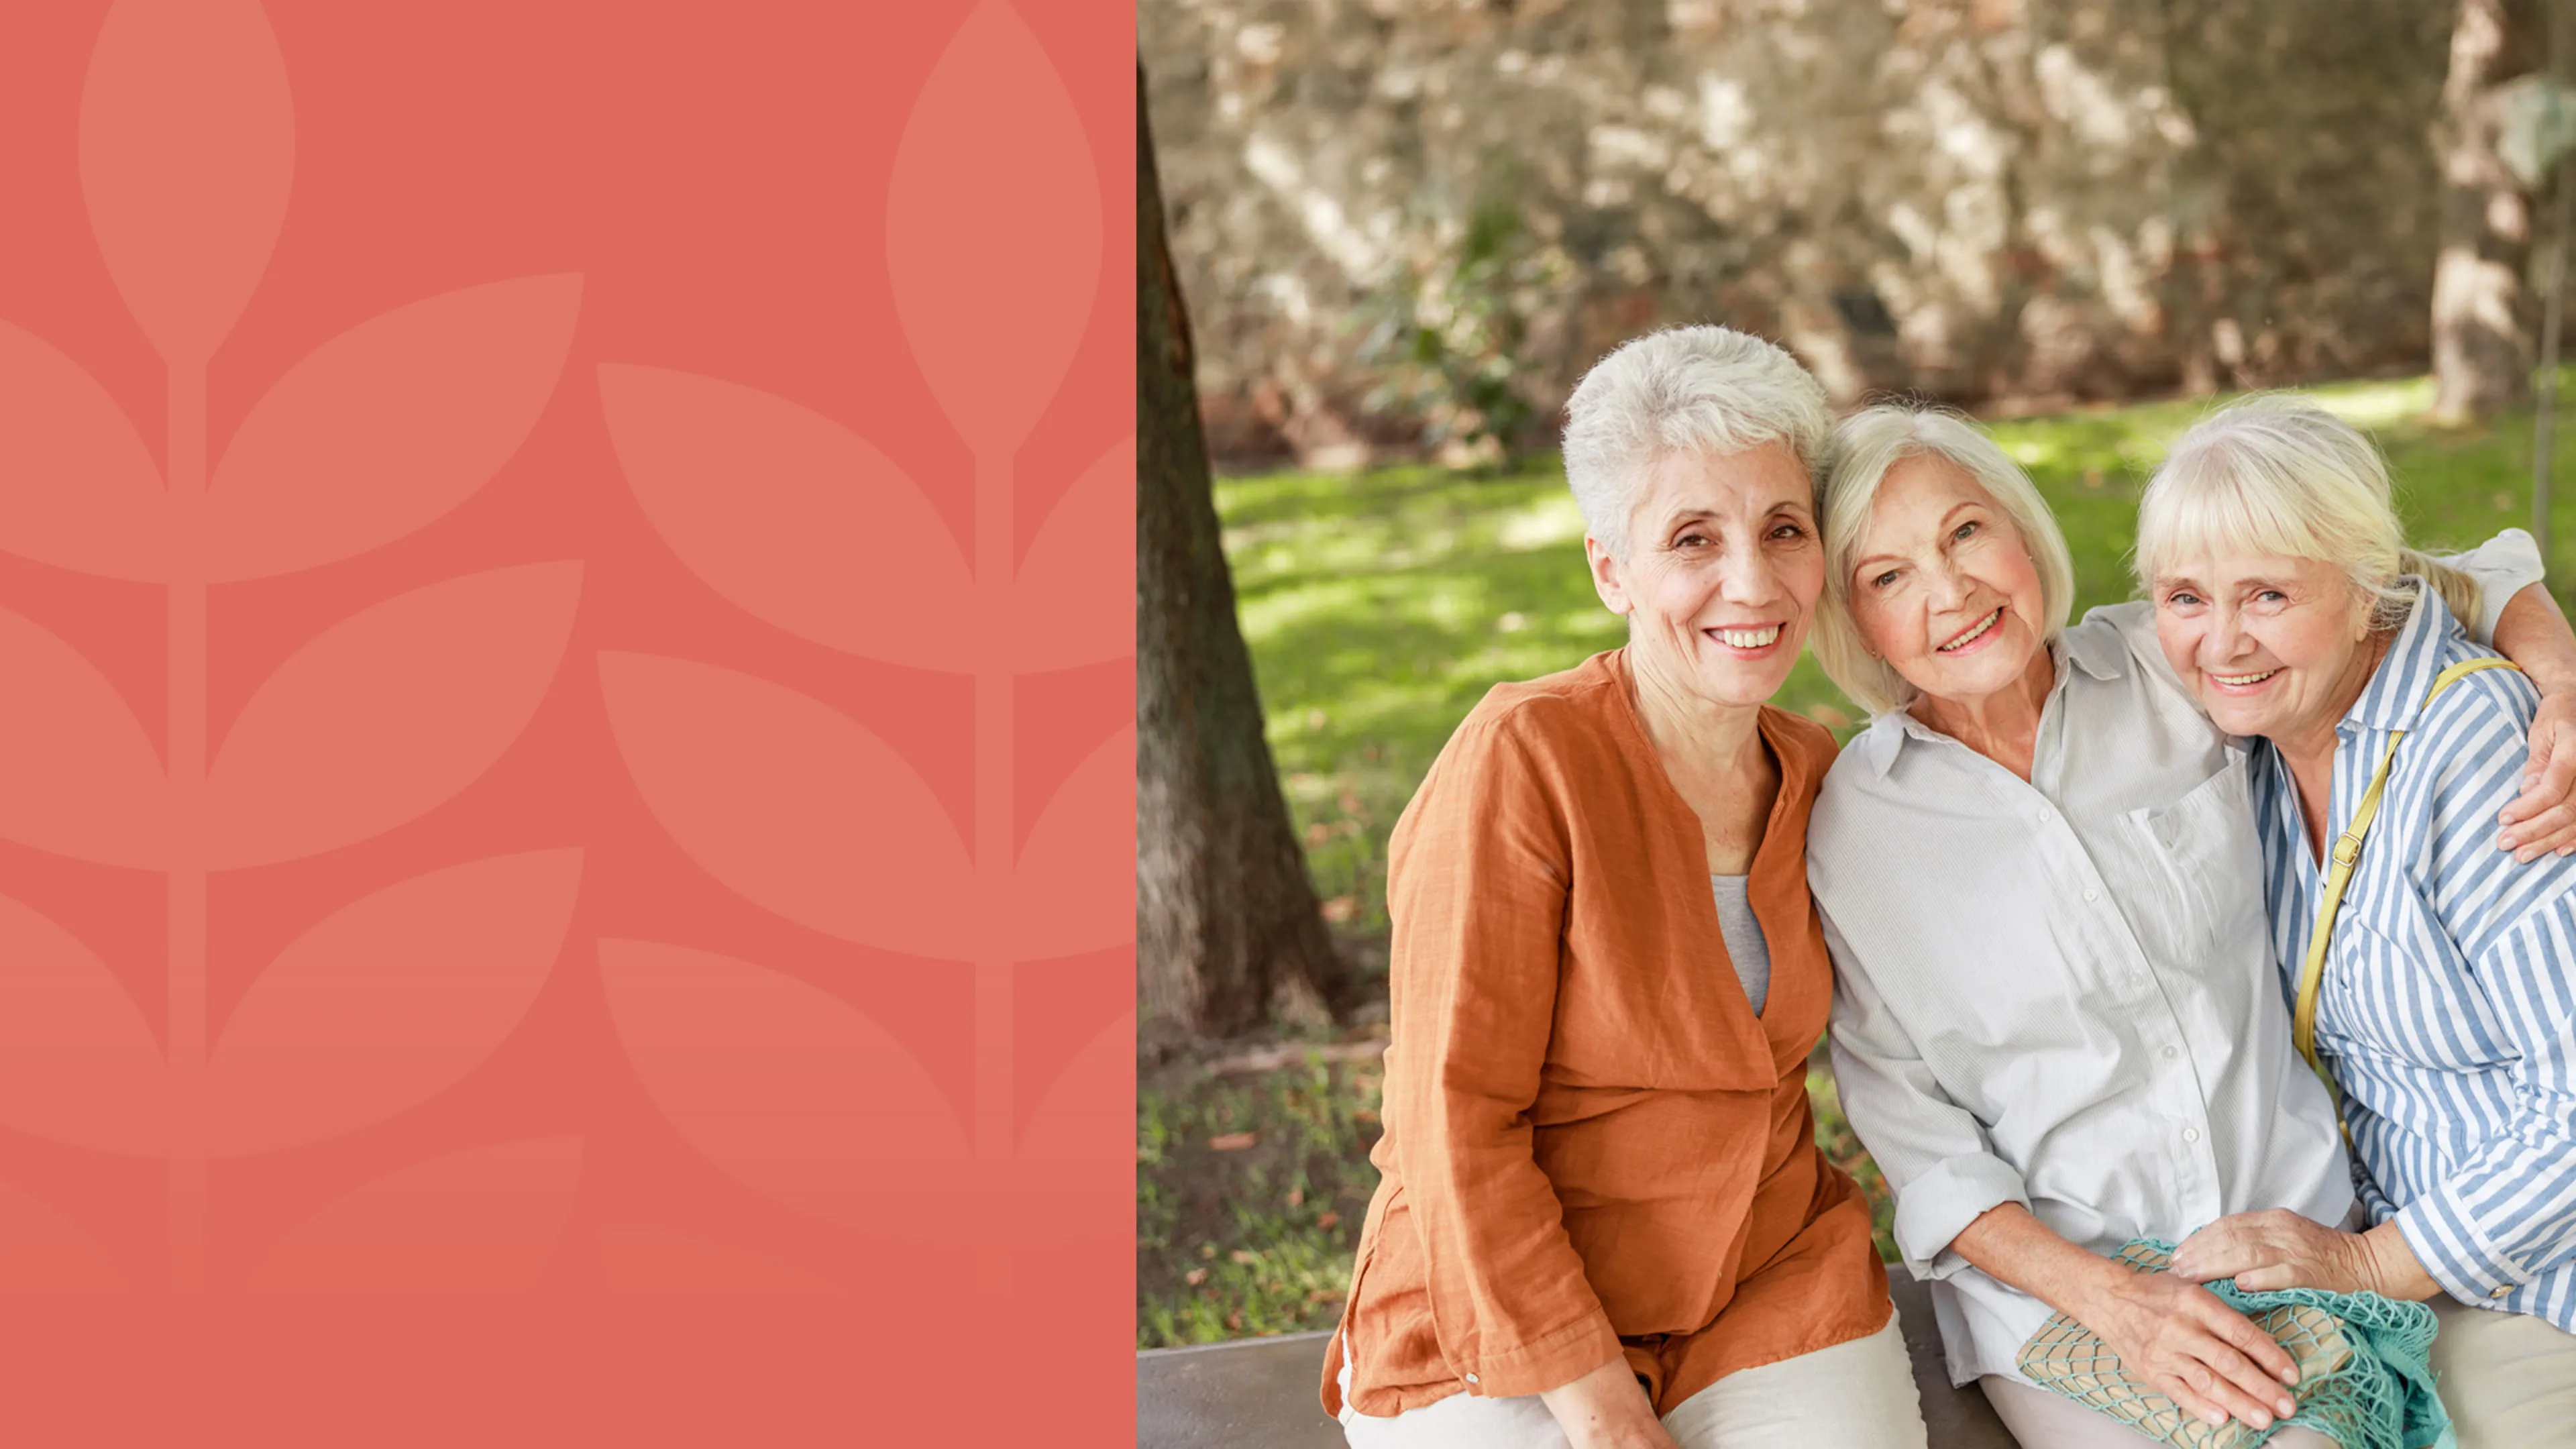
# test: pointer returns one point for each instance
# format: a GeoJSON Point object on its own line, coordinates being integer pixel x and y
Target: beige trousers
{"type": "Point", "coordinates": [2509, 1379]}
{"type": "Point", "coordinates": [2039, 1419]}
{"type": "Point", "coordinates": [1855, 1395]}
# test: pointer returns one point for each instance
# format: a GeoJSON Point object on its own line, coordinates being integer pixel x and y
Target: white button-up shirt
{"type": "Point", "coordinates": [2061, 992]}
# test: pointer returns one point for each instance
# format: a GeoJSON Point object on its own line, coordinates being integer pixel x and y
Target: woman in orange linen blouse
{"type": "Point", "coordinates": [1603, 1220]}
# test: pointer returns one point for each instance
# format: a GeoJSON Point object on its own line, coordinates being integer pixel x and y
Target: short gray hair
{"type": "Point", "coordinates": [1681, 390]}
{"type": "Point", "coordinates": [1866, 447]}
{"type": "Point", "coordinates": [2277, 474]}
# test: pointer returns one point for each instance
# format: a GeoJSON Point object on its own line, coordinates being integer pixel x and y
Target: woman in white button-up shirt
{"type": "Point", "coordinates": [2056, 1025]}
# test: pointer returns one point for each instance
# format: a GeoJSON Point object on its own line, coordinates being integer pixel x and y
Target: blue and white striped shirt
{"type": "Point", "coordinates": [2447, 1010]}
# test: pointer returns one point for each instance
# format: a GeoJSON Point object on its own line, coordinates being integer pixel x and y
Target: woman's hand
{"type": "Point", "coordinates": [1607, 1409]}
{"type": "Point", "coordinates": [2276, 1249]}
{"type": "Point", "coordinates": [2543, 817]}
{"type": "Point", "coordinates": [2187, 1345]}
{"type": "Point", "coordinates": [2176, 1336]}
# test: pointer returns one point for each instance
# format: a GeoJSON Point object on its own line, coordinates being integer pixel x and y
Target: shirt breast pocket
{"type": "Point", "coordinates": [2213, 860]}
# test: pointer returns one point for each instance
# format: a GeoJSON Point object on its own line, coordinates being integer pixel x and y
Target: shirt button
{"type": "Point", "coordinates": [2171, 1053]}
{"type": "Point", "coordinates": [2046, 816]}
{"type": "Point", "coordinates": [2500, 1290]}
{"type": "Point", "coordinates": [2091, 894]}
{"type": "Point", "coordinates": [1471, 1378]}
{"type": "Point", "coordinates": [2191, 1134]}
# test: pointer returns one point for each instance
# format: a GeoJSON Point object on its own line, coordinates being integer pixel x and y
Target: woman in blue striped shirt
{"type": "Point", "coordinates": [2445, 1003]}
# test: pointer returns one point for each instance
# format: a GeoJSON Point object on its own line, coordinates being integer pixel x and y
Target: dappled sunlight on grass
{"type": "Point", "coordinates": [2384, 404]}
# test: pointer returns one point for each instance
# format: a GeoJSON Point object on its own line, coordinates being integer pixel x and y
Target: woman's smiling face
{"type": "Point", "coordinates": [1942, 587]}
{"type": "Point", "coordinates": [1722, 573]}
{"type": "Point", "coordinates": [2269, 645]}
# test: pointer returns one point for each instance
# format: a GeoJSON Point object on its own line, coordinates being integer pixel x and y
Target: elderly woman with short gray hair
{"type": "Point", "coordinates": [2056, 1026]}
{"type": "Point", "coordinates": [1603, 1219]}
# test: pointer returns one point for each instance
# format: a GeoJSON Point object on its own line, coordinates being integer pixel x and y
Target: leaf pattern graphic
{"type": "Point", "coordinates": [1075, 887]}
{"type": "Point", "coordinates": [481, 1221]}
{"type": "Point", "coordinates": [41, 1252]}
{"type": "Point", "coordinates": [657, 1260]}
{"type": "Point", "coordinates": [388, 1001]}
{"type": "Point", "coordinates": [1074, 1175]}
{"type": "Point", "coordinates": [791, 516]}
{"type": "Point", "coordinates": [1075, 596]}
{"type": "Point", "coordinates": [388, 713]}
{"type": "Point", "coordinates": [187, 148]}
{"type": "Point", "coordinates": [78, 490]}
{"type": "Point", "coordinates": [993, 229]}
{"type": "Point", "coordinates": [790, 803]}
{"type": "Point", "coordinates": [77, 775]}
{"type": "Point", "coordinates": [387, 426]}
{"type": "Point", "coordinates": [78, 1064]}
{"type": "Point", "coordinates": [791, 1091]}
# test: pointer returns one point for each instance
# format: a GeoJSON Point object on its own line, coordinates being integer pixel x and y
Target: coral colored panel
{"type": "Point", "coordinates": [566, 698]}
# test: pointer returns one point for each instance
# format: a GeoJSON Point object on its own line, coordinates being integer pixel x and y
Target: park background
{"type": "Point", "coordinates": [1403, 228]}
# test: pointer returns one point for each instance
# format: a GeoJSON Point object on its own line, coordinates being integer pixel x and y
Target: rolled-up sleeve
{"type": "Point", "coordinates": [1934, 1153]}
{"type": "Point", "coordinates": [2507, 1212]}
{"type": "Point", "coordinates": [1476, 887]}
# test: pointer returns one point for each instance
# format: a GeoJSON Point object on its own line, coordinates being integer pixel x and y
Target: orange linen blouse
{"type": "Point", "coordinates": [1593, 1146]}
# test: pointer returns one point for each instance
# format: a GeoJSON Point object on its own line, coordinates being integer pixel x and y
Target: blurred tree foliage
{"type": "Point", "coordinates": [1410, 227]}
{"type": "Point", "coordinates": [1448, 329]}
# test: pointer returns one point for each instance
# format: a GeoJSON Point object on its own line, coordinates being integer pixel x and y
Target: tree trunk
{"type": "Point", "coordinates": [1226, 925]}
{"type": "Point", "coordinates": [2481, 352]}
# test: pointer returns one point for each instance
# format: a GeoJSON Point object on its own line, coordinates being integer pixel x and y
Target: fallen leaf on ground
{"type": "Point", "coordinates": [1232, 1141]}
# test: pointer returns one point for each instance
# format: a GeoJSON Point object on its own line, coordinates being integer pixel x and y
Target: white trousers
{"type": "Point", "coordinates": [2039, 1419]}
{"type": "Point", "coordinates": [2509, 1379]}
{"type": "Point", "coordinates": [1855, 1395]}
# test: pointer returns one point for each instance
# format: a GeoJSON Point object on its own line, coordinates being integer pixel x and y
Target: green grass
{"type": "Point", "coordinates": [1239, 1237]}
{"type": "Point", "coordinates": [1380, 607]}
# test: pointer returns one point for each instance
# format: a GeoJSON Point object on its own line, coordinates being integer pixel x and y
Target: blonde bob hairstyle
{"type": "Point", "coordinates": [2275, 474]}
{"type": "Point", "coordinates": [1681, 390]}
{"type": "Point", "coordinates": [1866, 447]}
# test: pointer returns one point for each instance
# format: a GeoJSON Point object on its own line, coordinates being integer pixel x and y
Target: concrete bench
{"type": "Point", "coordinates": [1259, 1393]}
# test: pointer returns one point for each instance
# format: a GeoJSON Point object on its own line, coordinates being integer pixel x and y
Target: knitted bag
{"type": "Point", "coordinates": [2365, 1376]}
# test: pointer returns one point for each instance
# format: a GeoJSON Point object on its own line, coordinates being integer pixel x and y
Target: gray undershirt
{"type": "Point", "coordinates": [1744, 943]}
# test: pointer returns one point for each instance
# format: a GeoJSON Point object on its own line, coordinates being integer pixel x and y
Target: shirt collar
{"type": "Point", "coordinates": [1888, 731]}
{"type": "Point", "coordinates": [2394, 696]}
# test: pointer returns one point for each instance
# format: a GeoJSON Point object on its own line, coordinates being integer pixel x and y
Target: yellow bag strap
{"type": "Point", "coordinates": [2347, 850]}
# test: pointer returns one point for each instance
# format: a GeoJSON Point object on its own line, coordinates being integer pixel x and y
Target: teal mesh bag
{"type": "Point", "coordinates": [2365, 1370]}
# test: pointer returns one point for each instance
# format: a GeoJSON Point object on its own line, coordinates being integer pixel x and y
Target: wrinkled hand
{"type": "Point", "coordinates": [2187, 1345]}
{"type": "Point", "coordinates": [2543, 817]}
{"type": "Point", "coordinates": [1607, 1409]}
{"type": "Point", "coordinates": [2272, 1250]}
{"type": "Point", "coordinates": [2268, 1251]}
